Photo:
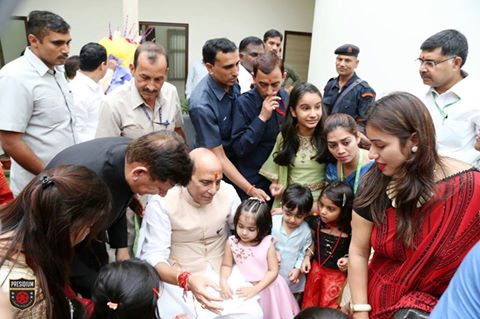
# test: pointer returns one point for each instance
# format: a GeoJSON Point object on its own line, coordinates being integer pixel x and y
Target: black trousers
{"type": "Point", "coordinates": [87, 262]}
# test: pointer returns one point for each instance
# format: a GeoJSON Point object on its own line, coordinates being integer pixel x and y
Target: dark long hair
{"type": "Point", "coordinates": [55, 205]}
{"type": "Point", "coordinates": [401, 114]}
{"type": "Point", "coordinates": [291, 142]}
{"type": "Point", "coordinates": [132, 285]}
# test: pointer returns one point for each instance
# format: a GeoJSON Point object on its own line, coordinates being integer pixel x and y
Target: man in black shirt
{"type": "Point", "coordinates": [151, 164]}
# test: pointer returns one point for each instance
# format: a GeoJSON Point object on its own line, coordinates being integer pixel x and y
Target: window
{"type": "Point", "coordinates": [174, 38]}
{"type": "Point", "coordinates": [13, 40]}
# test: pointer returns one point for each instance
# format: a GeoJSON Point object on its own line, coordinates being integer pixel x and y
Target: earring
{"type": "Point", "coordinates": [414, 148]}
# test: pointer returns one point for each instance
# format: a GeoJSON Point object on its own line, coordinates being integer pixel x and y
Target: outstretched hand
{"type": "Point", "coordinates": [199, 284]}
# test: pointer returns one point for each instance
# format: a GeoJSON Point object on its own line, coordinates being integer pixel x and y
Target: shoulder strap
{"type": "Point", "coordinates": [345, 92]}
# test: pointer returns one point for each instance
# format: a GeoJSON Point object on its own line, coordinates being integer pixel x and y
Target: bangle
{"type": "Point", "coordinates": [182, 279]}
{"type": "Point", "coordinates": [250, 189]}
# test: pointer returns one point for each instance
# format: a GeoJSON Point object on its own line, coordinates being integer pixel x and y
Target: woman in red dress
{"type": "Point", "coordinates": [419, 212]}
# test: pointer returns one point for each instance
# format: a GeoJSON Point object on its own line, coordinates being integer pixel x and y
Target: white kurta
{"type": "Point", "coordinates": [175, 229]}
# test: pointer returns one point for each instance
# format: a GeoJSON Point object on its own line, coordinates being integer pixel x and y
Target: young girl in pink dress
{"type": "Point", "coordinates": [253, 251]}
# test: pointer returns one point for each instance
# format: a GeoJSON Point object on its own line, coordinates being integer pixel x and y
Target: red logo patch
{"type": "Point", "coordinates": [22, 293]}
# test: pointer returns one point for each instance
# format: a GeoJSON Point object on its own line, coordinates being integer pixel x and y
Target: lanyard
{"type": "Point", "coordinates": [281, 106]}
{"type": "Point", "coordinates": [166, 123]}
{"type": "Point", "coordinates": [357, 172]}
{"type": "Point", "coordinates": [440, 109]}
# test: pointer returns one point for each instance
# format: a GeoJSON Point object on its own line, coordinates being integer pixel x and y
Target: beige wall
{"type": "Point", "coordinates": [88, 19]}
{"type": "Point", "coordinates": [227, 18]}
{"type": "Point", "coordinates": [207, 19]}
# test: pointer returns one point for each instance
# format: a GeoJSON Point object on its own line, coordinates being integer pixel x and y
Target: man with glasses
{"type": "Point", "coordinates": [250, 48]}
{"type": "Point", "coordinates": [257, 119]}
{"type": "Point", "coordinates": [36, 121]}
{"type": "Point", "coordinates": [451, 97]}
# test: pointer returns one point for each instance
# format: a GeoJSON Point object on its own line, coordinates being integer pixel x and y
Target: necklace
{"type": "Point", "coordinates": [318, 245]}
{"type": "Point", "coordinates": [357, 173]}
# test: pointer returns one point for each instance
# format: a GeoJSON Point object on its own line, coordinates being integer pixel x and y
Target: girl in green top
{"type": "Point", "coordinates": [300, 151]}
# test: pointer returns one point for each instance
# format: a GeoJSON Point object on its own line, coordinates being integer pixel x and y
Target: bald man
{"type": "Point", "coordinates": [186, 231]}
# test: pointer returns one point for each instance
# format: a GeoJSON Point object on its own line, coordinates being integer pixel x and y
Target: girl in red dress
{"type": "Point", "coordinates": [332, 234]}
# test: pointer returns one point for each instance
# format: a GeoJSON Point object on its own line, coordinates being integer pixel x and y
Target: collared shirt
{"type": "Point", "coordinates": [245, 79]}
{"type": "Point", "coordinates": [292, 249]}
{"type": "Point", "coordinates": [164, 239]}
{"type": "Point", "coordinates": [354, 103]}
{"type": "Point", "coordinates": [124, 113]}
{"type": "Point", "coordinates": [87, 97]}
{"type": "Point", "coordinates": [36, 102]}
{"type": "Point", "coordinates": [253, 139]}
{"type": "Point", "coordinates": [211, 112]}
{"type": "Point", "coordinates": [456, 119]}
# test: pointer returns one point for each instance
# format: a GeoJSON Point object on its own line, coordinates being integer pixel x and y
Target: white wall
{"type": "Point", "coordinates": [88, 19]}
{"type": "Point", "coordinates": [207, 19]}
{"type": "Point", "coordinates": [389, 34]}
{"type": "Point", "coordinates": [227, 18]}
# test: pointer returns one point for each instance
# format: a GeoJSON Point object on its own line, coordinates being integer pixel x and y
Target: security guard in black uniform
{"type": "Point", "coordinates": [347, 93]}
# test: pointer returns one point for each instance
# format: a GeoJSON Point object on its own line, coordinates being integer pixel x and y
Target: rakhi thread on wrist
{"type": "Point", "coordinates": [182, 279]}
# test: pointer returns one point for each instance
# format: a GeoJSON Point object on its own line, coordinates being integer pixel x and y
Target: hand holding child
{"type": "Point", "coordinates": [342, 264]}
{"type": "Point", "coordinates": [294, 275]}
{"type": "Point", "coordinates": [306, 265]}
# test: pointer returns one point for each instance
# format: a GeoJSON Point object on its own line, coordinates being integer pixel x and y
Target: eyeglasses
{"type": "Point", "coordinates": [431, 63]}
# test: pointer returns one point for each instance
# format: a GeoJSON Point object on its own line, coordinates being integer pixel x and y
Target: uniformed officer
{"type": "Point", "coordinates": [347, 93]}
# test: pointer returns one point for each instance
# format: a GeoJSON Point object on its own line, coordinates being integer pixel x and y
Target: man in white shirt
{"type": "Point", "coordinates": [451, 98]}
{"type": "Point", "coordinates": [87, 94]}
{"type": "Point", "coordinates": [145, 104]}
{"type": "Point", "coordinates": [183, 235]}
{"type": "Point", "coordinates": [249, 49]}
{"type": "Point", "coordinates": [36, 119]}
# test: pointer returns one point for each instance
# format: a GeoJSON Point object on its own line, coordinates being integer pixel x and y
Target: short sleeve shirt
{"type": "Point", "coordinates": [211, 112]}
{"type": "Point", "coordinates": [124, 113]}
{"type": "Point", "coordinates": [36, 102]}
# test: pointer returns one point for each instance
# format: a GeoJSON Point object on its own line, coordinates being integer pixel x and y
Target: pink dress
{"type": "Point", "coordinates": [276, 300]}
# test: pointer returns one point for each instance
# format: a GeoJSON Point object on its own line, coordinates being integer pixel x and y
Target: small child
{"type": "Point", "coordinates": [332, 234]}
{"type": "Point", "coordinates": [293, 237]}
{"type": "Point", "coordinates": [253, 251]}
{"type": "Point", "coordinates": [127, 290]}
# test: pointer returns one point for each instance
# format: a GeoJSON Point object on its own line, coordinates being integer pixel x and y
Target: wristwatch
{"type": "Point", "coordinates": [359, 307]}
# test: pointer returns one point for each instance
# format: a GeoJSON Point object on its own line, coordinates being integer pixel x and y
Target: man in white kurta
{"type": "Point", "coordinates": [87, 93]}
{"type": "Point", "coordinates": [186, 231]}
